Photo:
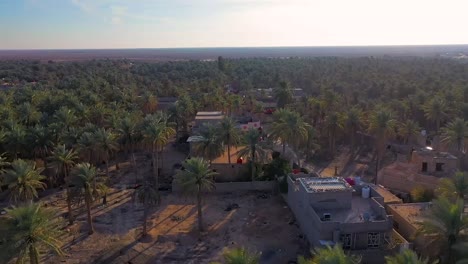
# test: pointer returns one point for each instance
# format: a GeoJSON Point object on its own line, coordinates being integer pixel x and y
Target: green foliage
{"type": "Point", "coordinates": [330, 255]}
{"type": "Point", "coordinates": [241, 256]}
{"type": "Point", "coordinates": [33, 230]}
{"type": "Point", "coordinates": [407, 257]}
{"type": "Point", "coordinates": [421, 194]}
{"type": "Point", "coordinates": [23, 180]}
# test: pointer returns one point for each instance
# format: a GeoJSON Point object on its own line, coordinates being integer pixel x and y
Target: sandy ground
{"type": "Point", "coordinates": [262, 223]}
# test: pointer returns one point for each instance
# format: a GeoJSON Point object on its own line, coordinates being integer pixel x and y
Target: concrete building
{"type": "Point", "coordinates": [425, 169]}
{"type": "Point", "coordinates": [331, 211]}
{"type": "Point", "coordinates": [212, 117]}
{"type": "Point", "coordinates": [406, 219]}
{"type": "Point", "coordinates": [439, 164]}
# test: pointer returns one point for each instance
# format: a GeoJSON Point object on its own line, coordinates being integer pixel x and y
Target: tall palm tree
{"type": "Point", "coordinates": [435, 110]}
{"type": "Point", "coordinates": [196, 178]}
{"type": "Point", "coordinates": [86, 144]}
{"type": "Point", "coordinates": [407, 257]}
{"type": "Point", "coordinates": [333, 123]}
{"type": "Point", "coordinates": [455, 133]}
{"type": "Point", "coordinates": [40, 142]}
{"type": "Point", "coordinates": [210, 145]}
{"type": "Point", "coordinates": [289, 127]}
{"type": "Point", "coordinates": [382, 126]}
{"type": "Point", "coordinates": [149, 196]}
{"type": "Point", "coordinates": [33, 229]}
{"type": "Point", "coordinates": [23, 180]}
{"type": "Point", "coordinates": [15, 139]}
{"type": "Point", "coordinates": [130, 137]}
{"type": "Point", "coordinates": [106, 145]}
{"type": "Point", "coordinates": [156, 132]}
{"type": "Point", "coordinates": [241, 256]}
{"type": "Point", "coordinates": [62, 160]}
{"type": "Point", "coordinates": [229, 134]}
{"type": "Point", "coordinates": [253, 148]}
{"type": "Point", "coordinates": [65, 117]}
{"type": "Point", "coordinates": [353, 123]}
{"type": "Point", "coordinates": [408, 129]}
{"type": "Point", "coordinates": [283, 94]}
{"type": "Point", "coordinates": [330, 255]}
{"type": "Point", "coordinates": [85, 179]}
{"type": "Point", "coordinates": [444, 224]}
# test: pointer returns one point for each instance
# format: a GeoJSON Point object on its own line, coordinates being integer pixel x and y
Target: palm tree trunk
{"type": "Point", "coordinates": [135, 168]}
{"type": "Point", "coordinates": [155, 168]}
{"type": "Point", "coordinates": [33, 255]}
{"type": "Point", "coordinates": [69, 206]}
{"type": "Point", "coordinates": [229, 152]}
{"type": "Point", "coordinates": [88, 212]}
{"type": "Point", "coordinates": [252, 161]}
{"type": "Point", "coordinates": [145, 219]}
{"type": "Point", "coordinates": [199, 208]}
{"type": "Point", "coordinates": [284, 148]}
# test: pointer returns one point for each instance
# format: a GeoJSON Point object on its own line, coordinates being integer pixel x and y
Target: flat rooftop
{"type": "Point", "coordinates": [215, 117]}
{"type": "Point", "coordinates": [388, 197]}
{"type": "Point", "coordinates": [359, 211]}
{"type": "Point", "coordinates": [411, 212]}
{"type": "Point", "coordinates": [329, 184]}
{"type": "Point", "coordinates": [209, 113]}
{"type": "Point", "coordinates": [435, 154]}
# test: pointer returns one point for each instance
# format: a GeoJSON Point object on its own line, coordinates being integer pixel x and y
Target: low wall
{"type": "Point", "coordinates": [224, 187]}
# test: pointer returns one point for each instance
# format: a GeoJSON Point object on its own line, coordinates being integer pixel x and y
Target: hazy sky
{"type": "Point", "coordinates": [39, 24]}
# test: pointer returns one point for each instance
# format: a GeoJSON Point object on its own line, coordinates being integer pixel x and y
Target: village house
{"type": "Point", "coordinates": [330, 211]}
{"type": "Point", "coordinates": [406, 220]}
{"type": "Point", "coordinates": [425, 169]}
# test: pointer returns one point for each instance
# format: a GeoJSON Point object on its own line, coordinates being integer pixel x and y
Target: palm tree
{"type": "Point", "coordinates": [333, 123]}
{"type": "Point", "coordinates": [408, 129]}
{"type": "Point", "coordinates": [15, 139]}
{"type": "Point", "coordinates": [353, 123]}
{"type": "Point", "coordinates": [435, 110]}
{"type": "Point", "coordinates": [33, 228]}
{"type": "Point", "coordinates": [210, 145]}
{"type": "Point", "coordinates": [253, 149]}
{"type": "Point", "coordinates": [62, 160]}
{"type": "Point", "coordinates": [106, 144]}
{"type": "Point", "coordinates": [149, 196]}
{"type": "Point", "coordinates": [455, 133]}
{"type": "Point", "coordinates": [330, 255]}
{"type": "Point", "coordinates": [289, 127]}
{"type": "Point", "coordinates": [65, 117]}
{"type": "Point", "coordinates": [241, 256]}
{"type": "Point", "coordinates": [41, 143]}
{"type": "Point", "coordinates": [23, 180]}
{"type": "Point", "coordinates": [85, 180]}
{"type": "Point", "coordinates": [455, 187]}
{"type": "Point", "coordinates": [283, 94]}
{"type": "Point", "coordinates": [311, 144]}
{"type": "Point", "coordinates": [229, 134]}
{"type": "Point", "coordinates": [130, 137]}
{"type": "Point", "coordinates": [407, 257]}
{"type": "Point", "coordinates": [382, 125]}
{"type": "Point", "coordinates": [86, 146]}
{"type": "Point", "coordinates": [444, 224]}
{"type": "Point", "coordinates": [157, 132]}
{"type": "Point", "coordinates": [196, 178]}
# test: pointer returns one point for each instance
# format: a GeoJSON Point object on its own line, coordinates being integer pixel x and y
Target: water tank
{"type": "Point", "coordinates": [357, 180]}
{"type": "Point", "coordinates": [365, 192]}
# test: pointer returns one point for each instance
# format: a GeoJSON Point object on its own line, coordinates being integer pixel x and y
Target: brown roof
{"type": "Point", "coordinates": [389, 198]}
{"type": "Point", "coordinates": [411, 212]}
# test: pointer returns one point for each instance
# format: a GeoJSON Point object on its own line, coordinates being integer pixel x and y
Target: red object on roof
{"type": "Point", "coordinates": [296, 171]}
{"type": "Point", "coordinates": [350, 181]}
{"type": "Point", "coordinates": [240, 160]}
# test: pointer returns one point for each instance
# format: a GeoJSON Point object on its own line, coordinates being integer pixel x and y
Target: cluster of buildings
{"type": "Point", "coordinates": [369, 219]}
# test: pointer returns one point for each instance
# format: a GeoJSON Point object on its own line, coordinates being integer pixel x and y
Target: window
{"type": "Point", "coordinates": [346, 241]}
{"type": "Point", "coordinates": [424, 167]}
{"type": "Point", "coordinates": [373, 240]}
{"type": "Point", "coordinates": [439, 166]}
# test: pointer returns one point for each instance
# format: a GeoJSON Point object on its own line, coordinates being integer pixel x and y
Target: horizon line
{"type": "Point", "coordinates": [245, 47]}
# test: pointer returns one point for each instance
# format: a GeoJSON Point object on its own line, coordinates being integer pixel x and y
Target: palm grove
{"type": "Point", "coordinates": [64, 124]}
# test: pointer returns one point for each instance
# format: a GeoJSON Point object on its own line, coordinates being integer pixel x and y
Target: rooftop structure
{"type": "Point", "coordinates": [335, 184]}
{"type": "Point", "coordinates": [212, 117]}
{"type": "Point", "coordinates": [406, 220]}
{"type": "Point", "coordinates": [330, 211]}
